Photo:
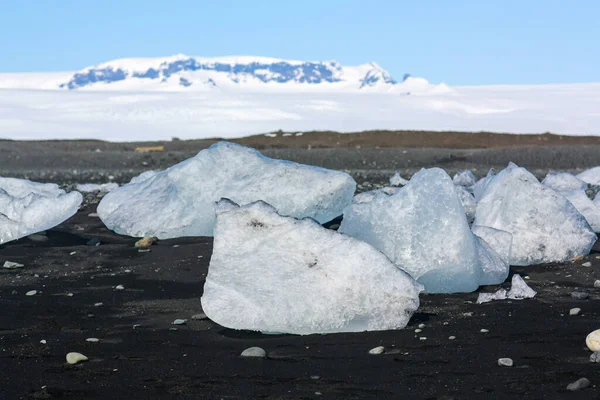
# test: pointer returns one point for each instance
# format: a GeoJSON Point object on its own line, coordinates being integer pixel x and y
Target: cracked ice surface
{"type": "Point", "coordinates": [28, 207]}
{"type": "Point", "coordinates": [278, 274]}
{"type": "Point", "coordinates": [179, 201]}
{"type": "Point", "coordinates": [545, 226]}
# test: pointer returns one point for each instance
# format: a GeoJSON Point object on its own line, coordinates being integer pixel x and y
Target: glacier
{"type": "Point", "coordinates": [28, 207]}
{"type": "Point", "coordinates": [545, 226]}
{"type": "Point", "coordinates": [271, 273]}
{"type": "Point", "coordinates": [179, 201]}
{"type": "Point", "coordinates": [423, 229]}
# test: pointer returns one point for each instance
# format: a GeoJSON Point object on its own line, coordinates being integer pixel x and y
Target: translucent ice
{"type": "Point", "coordinates": [94, 187]}
{"type": "Point", "coordinates": [423, 230]}
{"type": "Point", "coordinates": [179, 201]}
{"type": "Point", "coordinates": [563, 181]}
{"type": "Point", "coordinates": [494, 254]}
{"type": "Point", "coordinates": [519, 290]}
{"type": "Point", "coordinates": [468, 202]}
{"type": "Point", "coordinates": [545, 226]}
{"type": "Point", "coordinates": [366, 197]}
{"type": "Point", "coordinates": [278, 274]}
{"type": "Point", "coordinates": [481, 185]}
{"type": "Point", "coordinates": [591, 176]}
{"type": "Point", "coordinates": [397, 180]}
{"type": "Point", "coordinates": [28, 207]}
{"type": "Point", "coordinates": [465, 178]}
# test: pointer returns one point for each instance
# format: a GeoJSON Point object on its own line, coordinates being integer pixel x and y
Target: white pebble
{"type": "Point", "coordinates": [484, 331]}
{"type": "Point", "coordinates": [98, 304]}
{"type": "Point", "coordinates": [597, 283]}
{"type": "Point", "coordinates": [377, 350]}
{"type": "Point", "coordinates": [418, 331]}
{"type": "Point", "coordinates": [12, 265]}
{"type": "Point", "coordinates": [422, 338]}
{"type": "Point", "coordinates": [421, 326]}
{"type": "Point", "coordinates": [179, 321]}
{"type": "Point", "coordinates": [74, 358]}
{"type": "Point", "coordinates": [451, 337]}
{"type": "Point", "coordinates": [254, 352]}
{"type": "Point", "coordinates": [92, 340]}
{"type": "Point", "coordinates": [43, 341]}
{"type": "Point", "coordinates": [119, 287]}
{"type": "Point", "coordinates": [505, 362]}
{"type": "Point", "coordinates": [72, 253]}
{"type": "Point", "coordinates": [593, 340]}
{"type": "Point", "coordinates": [586, 264]}
{"type": "Point", "coordinates": [31, 293]}
{"type": "Point", "coordinates": [574, 311]}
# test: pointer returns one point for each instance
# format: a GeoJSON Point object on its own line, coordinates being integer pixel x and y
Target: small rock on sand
{"type": "Point", "coordinates": [595, 357]}
{"type": "Point", "coordinates": [36, 237]}
{"type": "Point", "coordinates": [254, 352]}
{"type": "Point", "coordinates": [12, 265]}
{"type": "Point", "coordinates": [31, 293]}
{"type": "Point", "coordinates": [199, 316]}
{"type": "Point", "coordinates": [580, 295]}
{"type": "Point", "coordinates": [74, 358]}
{"type": "Point", "coordinates": [505, 362]}
{"type": "Point", "coordinates": [377, 350]}
{"type": "Point", "coordinates": [586, 264]}
{"type": "Point", "coordinates": [179, 321]}
{"type": "Point", "coordinates": [92, 340]}
{"type": "Point", "coordinates": [597, 283]}
{"type": "Point", "coordinates": [145, 242]}
{"type": "Point", "coordinates": [574, 311]}
{"type": "Point", "coordinates": [579, 384]}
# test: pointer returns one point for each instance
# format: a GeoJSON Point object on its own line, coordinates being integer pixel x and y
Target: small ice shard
{"type": "Point", "coordinates": [468, 202]}
{"type": "Point", "coordinates": [423, 230]}
{"type": "Point", "coordinates": [179, 201]}
{"type": "Point", "coordinates": [12, 265]}
{"type": "Point", "coordinates": [563, 181]}
{"type": "Point", "coordinates": [272, 273]}
{"type": "Point", "coordinates": [366, 197]}
{"type": "Point", "coordinates": [397, 180]}
{"type": "Point", "coordinates": [481, 185]}
{"type": "Point", "coordinates": [494, 267]}
{"type": "Point", "coordinates": [591, 176]}
{"type": "Point", "coordinates": [545, 226]}
{"type": "Point", "coordinates": [94, 187]}
{"type": "Point", "coordinates": [588, 208]}
{"type": "Point", "coordinates": [505, 362]}
{"type": "Point", "coordinates": [75, 358]}
{"type": "Point", "coordinates": [487, 297]}
{"type": "Point", "coordinates": [28, 207]}
{"type": "Point", "coordinates": [465, 179]}
{"type": "Point", "coordinates": [519, 289]}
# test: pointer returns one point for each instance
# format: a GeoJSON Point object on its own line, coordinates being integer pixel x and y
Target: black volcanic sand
{"type": "Point", "coordinates": [142, 356]}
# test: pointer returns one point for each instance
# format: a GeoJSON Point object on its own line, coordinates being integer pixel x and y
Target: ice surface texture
{"type": "Point", "coordinates": [278, 274]}
{"type": "Point", "coordinates": [398, 180]}
{"type": "Point", "coordinates": [564, 181]}
{"type": "Point", "coordinates": [179, 201]}
{"type": "Point", "coordinates": [465, 178]}
{"type": "Point", "coordinates": [423, 230]}
{"type": "Point", "coordinates": [28, 207]}
{"type": "Point", "coordinates": [94, 187]}
{"type": "Point", "coordinates": [545, 226]}
{"type": "Point", "coordinates": [591, 176]}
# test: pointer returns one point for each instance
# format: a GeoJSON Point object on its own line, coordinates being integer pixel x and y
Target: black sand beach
{"type": "Point", "coordinates": [142, 355]}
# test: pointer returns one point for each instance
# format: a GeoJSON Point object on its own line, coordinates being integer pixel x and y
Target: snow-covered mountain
{"type": "Point", "coordinates": [185, 73]}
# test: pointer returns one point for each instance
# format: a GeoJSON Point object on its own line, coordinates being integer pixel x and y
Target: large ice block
{"type": "Point", "coordinates": [278, 274]}
{"type": "Point", "coordinates": [423, 230]}
{"type": "Point", "coordinates": [591, 176]}
{"type": "Point", "coordinates": [545, 226]}
{"type": "Point", "coordinates": [28, 207]}
{"type": "Point", "coordinates": [179, 201]}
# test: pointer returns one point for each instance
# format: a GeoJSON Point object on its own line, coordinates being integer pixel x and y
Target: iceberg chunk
{"type": "Point", "coordinates": [465, 178]}
{"type": "Point", "coordinates": [468, 202]}
{"type": "Point", "coordinates": [397, 180]}
{"type": "Point", "coordinates": [481, 185]}
{"type": "Point", "coordinates": [28, 207]}
{"type": "Point", "coordinates": [519, 290]}
{"type": "Point", "coordinates": [563, 181]}
{"type": "Point", "coordinates": [423, 230]}
{"type": "Point", "coordinates": [494, 254]}
{"type": "Point", "coordinates": [545, 226]}
{"type": "Point", "coordinates": [94, 187]}
{"type": "Point", "coordinates": [278, 274]}
{"type": "Point", "coordinates": [591, 176]}
{"type": "Point", "coordinates": [179, 201]}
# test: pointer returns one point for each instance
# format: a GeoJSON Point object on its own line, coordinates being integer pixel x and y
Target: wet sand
{"type": "Point", "coordinates": [142, 355]}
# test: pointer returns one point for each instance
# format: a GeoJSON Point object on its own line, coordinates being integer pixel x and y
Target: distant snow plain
{"type": "Point", "coordinates": [35, 111]}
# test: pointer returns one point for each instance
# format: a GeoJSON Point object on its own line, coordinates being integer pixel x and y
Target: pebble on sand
{"type": "Point", "coordinates": [43, 341]}
{"type": "Point", "coordinates": [254, 352]}
{"type": "Point", "coordinates": [505, 362]}
{"type": "Point", "coordinates": [145, 242]}
{"type": "Point", "coordinates": [597, 283]}
{"type": "Point", "coordinates": [31, 293]}
{"type": "Point", "coordinates": [586, 264]}
{"type": "Point", "coordinates": [579, 384]}
{"type": "Point", "coordinates": [595, 357]}
{"type": "Point", "coordinates": [179, 321]}
{"type": "Point", "coordinates": [199, 316]}
{"type": "Point", "coordinates": [119, 287]}
{"type": "Point", "coordinates": [92, 340]}
{"type": "Point", "coordinates": [12, 265]}
{"type": "Point", "coordinates": [451, 337]}
{"type": "Point", "coordinates": [377, 350]}
{"type": "Point", "coordinates": [484, 331]}
{"type": "Point", "coordinates": [574, 311]}
{"type": "Point", "coordinates": [593, 340]}
{"type": "Point", "coordinates": [74, 358]}
{"type": "Point", "coordinates": [580, 295]}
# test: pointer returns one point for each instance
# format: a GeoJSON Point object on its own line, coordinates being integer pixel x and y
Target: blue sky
{"type": "Point", "coordinates": [458, 42]}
